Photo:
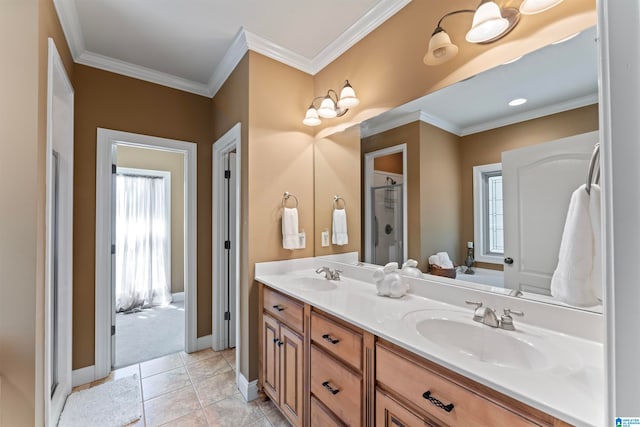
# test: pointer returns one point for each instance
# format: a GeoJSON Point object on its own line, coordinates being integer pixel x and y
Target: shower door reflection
{"type": "Point", "coordinates": [387, 244]}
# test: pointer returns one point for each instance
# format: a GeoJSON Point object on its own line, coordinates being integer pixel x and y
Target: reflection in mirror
{"type": "Point", "coordinates": [491, 163]}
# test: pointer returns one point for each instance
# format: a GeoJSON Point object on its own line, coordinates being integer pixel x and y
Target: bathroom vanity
{"type": "Point", "coordinates": [333, 353]}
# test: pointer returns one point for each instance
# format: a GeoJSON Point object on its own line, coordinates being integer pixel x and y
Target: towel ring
{"type": "Point", "coordinates": [286, 197]}
{"type": "Point", "coordinates": [336, 200]}
{"type": "Point", "coordinates": [592, 168]}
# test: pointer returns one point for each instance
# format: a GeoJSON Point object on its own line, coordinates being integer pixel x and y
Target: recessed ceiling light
{"type": "Point", "coordinates": [516, 102]}
{"type": "Point", "coordinates": [511, 61]}
{"type": "Point", "coordinates": [566, 39]}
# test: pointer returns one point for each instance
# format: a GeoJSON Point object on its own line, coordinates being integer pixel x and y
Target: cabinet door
{"type": "Point", "coordinates": [291, 365]}
{"type": "Point", "coordinates": [390, 413]}
{"type": "Point", "coordinates": [270, 358]}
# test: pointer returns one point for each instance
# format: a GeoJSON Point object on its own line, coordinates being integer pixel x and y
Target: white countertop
{"type": "Point", "coordinates": [571, 388]}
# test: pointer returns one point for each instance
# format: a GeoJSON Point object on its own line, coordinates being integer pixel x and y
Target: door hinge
{"type": "Point", "coordinates": [227, 174]}
{"type": "Point", "coordinates": [227, 244]}
{"type": "Point", "coordinates": [113, 329]}
{"type": "Point", "coordinates": [227, 315]}
{"type": "Point", "coordinates": [113, 249]}
{"type": "Point", "coordinates": [114, 169]}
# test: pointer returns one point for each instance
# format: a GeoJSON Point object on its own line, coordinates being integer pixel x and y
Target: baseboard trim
{"type": "Point", "coordinates": [204, 342]}
{"type": "Point", "coordinates": [249, 390]}
{"type": "Point", "coordinates": [83, 375]}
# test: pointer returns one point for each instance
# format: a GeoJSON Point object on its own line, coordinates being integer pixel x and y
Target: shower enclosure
{"type": "Point", "coordinates": [387, 227]}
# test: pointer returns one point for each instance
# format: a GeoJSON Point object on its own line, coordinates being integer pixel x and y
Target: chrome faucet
{"type": "Point", "coordinates": [484, 315]}
{"type": "Point", "coordinates": [506, 321]}
{"type": "Point", "coordinates": [329, 274]}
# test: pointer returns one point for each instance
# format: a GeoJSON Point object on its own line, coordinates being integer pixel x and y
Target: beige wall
{"type": "Point", "coordinates": [391, 163]}
{"type": "Point", "coordinates": [144, 158]}
{"type": "Point", "coordinates": [337, 167]}
{"type": "Point", "coordinates": [112, 101]}
{"type": "Point", "coordinates": [487, 147]}
{"type": "Point", "coordinates": [25, 26]}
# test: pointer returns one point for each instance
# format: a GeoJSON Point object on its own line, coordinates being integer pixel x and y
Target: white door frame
{"type": "Point", "coordinates": [228, 142]}
{"type": "Point", "coordinates": [368, 182]}
{"type": "Point", "coordinates": [106, 140]}
{"type": "Point", "coordinates": [59, 88]}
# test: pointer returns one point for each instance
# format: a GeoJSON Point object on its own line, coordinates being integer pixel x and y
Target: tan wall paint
{"type": "Point", "coordinates": [386, 68]}
{"type": "Point", "coordinates": [280, 159]}
{"type": "Point", "coordinates": [391, 163]}
{"type": "Point", "coordinates": [144, 158]}
{"type": "Point", "coordinates": [487, 147]}
{"type": "Point", "coordinates": [439, 193]}
{"type": "Point", "coordinates": [112, 101]}
{"type": "Point", "coordinates": [25, 26]}
{"type": "Point", "coordinates": [337, 165]}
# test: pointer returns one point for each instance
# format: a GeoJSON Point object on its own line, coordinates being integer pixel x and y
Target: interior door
{"type": "Point", "coordinates": [538, 181]}
{"type": "Point", "coordinates": [114, 192]}
{"type": "Point", "coordinates": [230, 253]}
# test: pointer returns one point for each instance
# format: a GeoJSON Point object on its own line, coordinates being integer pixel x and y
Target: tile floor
{"type": "Point", "coordinates": [196, 389]}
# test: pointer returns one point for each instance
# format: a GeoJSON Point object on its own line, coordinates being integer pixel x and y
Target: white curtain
{"type": "Point", "coordinates": [142, 257]}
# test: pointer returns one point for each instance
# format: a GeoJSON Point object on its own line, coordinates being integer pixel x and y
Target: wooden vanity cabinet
{"type": "Point", "coordinates": [283, 356]}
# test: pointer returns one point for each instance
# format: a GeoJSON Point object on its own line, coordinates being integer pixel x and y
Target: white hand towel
{"type": "Point", "coordinates": [290, 234]}
{"type": "Point", "coordinates": [434, 259]}
{"type": "Point", "coordinates": [339, 235]}
{"type": "Point", "coordinates": [445, 261]}
{"type": "Point", "coordinates": [576, 279]}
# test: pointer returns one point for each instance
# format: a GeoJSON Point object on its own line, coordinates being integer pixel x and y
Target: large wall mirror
{"type": "Point", "coordinates": [461, 167]}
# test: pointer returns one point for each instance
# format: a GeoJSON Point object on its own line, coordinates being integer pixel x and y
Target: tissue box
{"type": "Point", "coordinates": [436, 270]}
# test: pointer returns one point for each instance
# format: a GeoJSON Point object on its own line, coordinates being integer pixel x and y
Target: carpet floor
{"type": "Point", "coordinates": [149, 333]}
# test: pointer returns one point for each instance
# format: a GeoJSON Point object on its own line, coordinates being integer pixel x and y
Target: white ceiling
{"type": "Point", "coordinates": [194, 45]}
{"type": "Point", "coordinates": [553, 79]}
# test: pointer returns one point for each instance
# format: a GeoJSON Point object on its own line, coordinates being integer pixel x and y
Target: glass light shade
{"type": "Point", "coordinates": [311, 118]}
{"type": "Point", "coordinates": [348, 97]}
{"type": "Point", "coordinates": [327, 108]}
{"type": "Point", "coordinates": [531, 7]}
{"type": "Point", "coordinates": [488, 23]}
{"type": "Point", "coordinates": [440, 49]}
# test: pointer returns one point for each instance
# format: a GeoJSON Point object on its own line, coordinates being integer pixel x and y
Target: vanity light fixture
{"type": "Point", "coordinates": [331, 105]}
{"type": "Point", "coordinates": [490, 23]}
{"type": "Point", "coordinates": [516, 102]}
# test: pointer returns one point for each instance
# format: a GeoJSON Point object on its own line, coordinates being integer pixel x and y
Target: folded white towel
{"type": "Point", "coordinates": [445, 261]}
{"type": "Point", "coordinates": [577, 279]}
{"type": "Point", "coordinates": [339, 235]}
{"type": "Point", "coordinates": [290, 234]}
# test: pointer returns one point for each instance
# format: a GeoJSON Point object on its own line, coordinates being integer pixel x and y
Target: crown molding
{"type": "Point", "coordinates": [229, 62]}
{"type": "Point", "coordinates": [71, 28]}
{"type": "Point", "coordinates": [371, 20]}
{"type": "Point", "coordinates": [532, 114]}
{"type": "Point", "coordinates": [275, 51]}
{"type": "Point", "coordinates": [400, 120]}
{"type": "Point", "coordinates": [142, 73]}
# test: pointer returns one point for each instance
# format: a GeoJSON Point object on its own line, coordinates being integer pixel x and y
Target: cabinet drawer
{"type": "Point", "coordinates": [328, 374]}
{"type": "Point", "coordinates": [284, 308]}
{"type": "Point", "coordinates": [410, 381]}
{"type": "Point", "coordinates": [321, 417]}
{"type": "Point", "coordinates": [336, 339]}
{"type": "Point", "coordinates": [390, 413]}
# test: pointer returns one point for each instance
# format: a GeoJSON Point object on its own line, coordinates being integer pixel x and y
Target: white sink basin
{"type": "Point", "coordinates": [306, 283]}
{"type": "Point", "coordinates": [456, 332]}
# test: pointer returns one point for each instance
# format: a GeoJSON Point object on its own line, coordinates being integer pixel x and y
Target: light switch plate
{"type": "Point", "coordinates": [325, 238]}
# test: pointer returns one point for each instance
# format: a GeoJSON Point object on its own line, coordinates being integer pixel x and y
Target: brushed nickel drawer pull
{"type": "Point", "coordinates": [278, 307]}
{"type": "Point", "coordinates": [327, 337]}
{"type": "Point", "coordinates": [332, 390]}
{"type": "Point", "coordinates": [433, 400]}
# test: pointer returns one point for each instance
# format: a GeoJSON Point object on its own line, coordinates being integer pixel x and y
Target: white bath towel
{"type": "Point", "coordinates": [577, 279]}
{"type": "Point", "coordinates": [290, 234]}
{"type": "Point", "coordinates": [441, 259]}
{"type": "Point", "coordinates": [339, 235]}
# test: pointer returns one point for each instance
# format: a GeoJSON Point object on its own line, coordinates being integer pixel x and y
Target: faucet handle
{"type": "Point", "coordinates": [506, 321]}
{"type": "Point", "coordinates": [477, 304]}
{"type": "Point", "coordinates": [508, 312]}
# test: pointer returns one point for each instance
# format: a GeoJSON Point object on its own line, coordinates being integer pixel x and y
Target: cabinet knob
{"type": "Point", "coordinates": [508, 260]}
{"type": "Point", "coordinates": [279, 343]}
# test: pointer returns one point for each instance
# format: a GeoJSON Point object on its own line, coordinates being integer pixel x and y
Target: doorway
{"type": "Point", "coordinates": [110, 142]}
{"type": "Point", "coordinates": [385, 193]}
{"type": "Point", "coordinates": [149, 270]}
{"type": "Point", "coordinates": [226, 244]}
{"type": "Point", "coordinates": [59, 238]}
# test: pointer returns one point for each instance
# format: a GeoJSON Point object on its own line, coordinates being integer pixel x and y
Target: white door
{"type": "Point", "coordinates": [230, 212]}
{"type": "Point", "coordinates": [538, 182]}
{"type": "Point", "coordinates": [59, 238]}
